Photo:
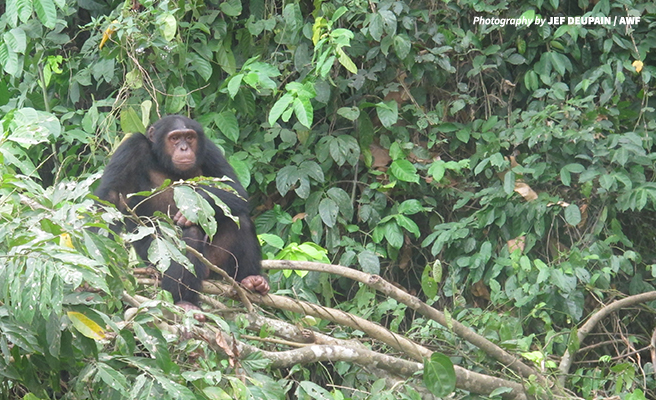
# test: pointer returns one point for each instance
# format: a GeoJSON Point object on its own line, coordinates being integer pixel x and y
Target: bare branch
{"type": "Point", "coordinates": [414, 303]}
{"type": "Point", "coordinates": [568, 358]}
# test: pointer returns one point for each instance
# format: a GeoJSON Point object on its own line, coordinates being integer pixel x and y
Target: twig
{"type": "Point", "coordinates": [241, 293]}
{"type": "Point", "coordinates": [568, 358]}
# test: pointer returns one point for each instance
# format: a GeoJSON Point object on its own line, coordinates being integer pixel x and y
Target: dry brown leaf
{"type": "Point", "coordinates": [525, 191]}
{"type": "Point", "coordinates": [517, 243]}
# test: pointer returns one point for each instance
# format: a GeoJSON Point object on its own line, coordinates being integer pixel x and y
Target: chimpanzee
{"type": "Point", "coordinates": [175, 148]}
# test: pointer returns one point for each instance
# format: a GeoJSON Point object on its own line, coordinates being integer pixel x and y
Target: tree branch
{"type": "Point", "coordinates": [588, 326]}
{"type": "Point", "coordinates": [378, 283]}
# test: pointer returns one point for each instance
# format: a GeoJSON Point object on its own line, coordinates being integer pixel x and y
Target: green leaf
{"type": "Point", "coordinates": [328, 211]}
{"type": "Point", "coordinates": [572, 214]}
{"type": "Point", "coordinates": [47, 13]}
{"type": "Point", "coordinates": [24, 8]}
{"type": "Point", "coordinates": [509, 182]}
{"type": "Point", "coordinates": [439, 375]}
{"type": "Point", "coordinates": [16, 40]}
{"type": "Point", "coordinates": [408, 224]}
{"type": "Point", "coordinates": [112, 377]}
{"type": "Point", "coordinates": [226, 59]}
{"type": "Point", "coordinates": [234, 84]}
{"type": "Point", "coordinates": [242, 169]}
{"type": "Point", "coordinates": [343, 201]}
{"type": "Point", "coordinates": [203, 67]}
{"type": "Point", "coordinates": [11, 11]}
{"type": "Point", "coordinates": [151, 338]}
{"type": "Point", "coordinates": [228, 125]}
{"type": "Point", "coordinates": [369, 262]}
{"type": "Point", "coordinates": [176, 100]}
{"type": "Point", "coordinates": [403, 170]}
{"type": "Point", "coordinates": [402, 46]}
{"type": "Point", "coordinates": [389, 21]}
{"type": "Point", "coordinates": [393, 234]}
{"type": "Point", "coordinates": [196, 209]}
{"type": "Point", "coordinates": [272, 240]}
{"type": "Point", "coordinates": [309, 390]}
{"type": "Point", "coordinates": [410, 207]}
{"type": "Point", "coordinates": [346, 61]}
{"type": "Point", "coordinates": [168, 27]}
{"type": "Point", "coordinates": [231, 8]}
{"type": "Point", "coordinates": [279, 107]}
{"type": "Point", "coordinates": [560, 62]}
{"type": "Point", "coordinates": [428, 283]}
{"type": "Point", "coordinates": [376, 27]}
{"type": "Point", "coordinates": [30, 127]}
{"type": "Point", "coordinates": [516, 59]}
{"type": "Point", "coordinates": [134, 79]}
{"type": "Point", "coordinates": [304, 111]}
{"type": "Point", "coordinates": [313, 170]}
{"type": "Point", "coordinates": [573, 343]}
{"type": "Point", "coordinates": [437, 170]}
{"type": "Point", "coordinates": [388, 113]}
{"type": "Point", "coordinates": [131, 122]}
{"type": "Point", "coordinates": [350, 113]}
{"type": "Point", "coordinates": [344, 148]}
{"type": "Point", "coordinates": [9, 60]}
{"type": "Point", "coordinates": [531, 80]}
{"type": "Point", "coordinates": [285, 178]}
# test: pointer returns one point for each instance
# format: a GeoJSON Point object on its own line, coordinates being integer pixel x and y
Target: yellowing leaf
{"type": "Point", "coordinates": [108, 34]}
{"type": "Point", "coordinates": [346, 61]}
{"type": "Point", "coordinates": [317, 29]}
{"type": "Point", "coordinates": [637, 64]}
{"type": "Point", "coordinates": [65, 240]}
{"type": "Point", "coordinates": [86, 326]}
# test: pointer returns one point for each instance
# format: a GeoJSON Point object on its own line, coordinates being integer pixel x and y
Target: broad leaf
{"type": "Point", "coordinates": [228, 124]}
{"type": "Point", "coordinates": [439, 375]}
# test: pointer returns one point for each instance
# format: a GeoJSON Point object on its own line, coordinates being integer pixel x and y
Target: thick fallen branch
{"type": "Point", "coordinates": [373, 330]}
{"type": "Point", "coordinates": [378, 283]}
{"type": "Point", "coordinates": [327, 348]}
{"type": "Point", "coordinates": [467, 380]}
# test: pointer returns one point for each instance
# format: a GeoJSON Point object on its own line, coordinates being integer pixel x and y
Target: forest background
{"type": "Point", "coordinates": [489, 186]}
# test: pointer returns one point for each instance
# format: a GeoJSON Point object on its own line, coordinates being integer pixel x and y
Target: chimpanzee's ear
{"type": "Point", "coordinates": [151, 134]}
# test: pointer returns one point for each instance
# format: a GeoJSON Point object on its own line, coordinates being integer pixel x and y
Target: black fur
{"type": "Point", "coordinates": [129, 171]}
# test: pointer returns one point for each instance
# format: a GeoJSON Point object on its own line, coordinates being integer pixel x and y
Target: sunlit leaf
{"type": "Point", "coordinates": [168, 27]}
{"type": "Point", "coordinates": [86, 326]}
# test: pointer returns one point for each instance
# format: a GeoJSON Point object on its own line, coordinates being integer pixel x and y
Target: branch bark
{"type": "Point", "coordinates": [378, 283]}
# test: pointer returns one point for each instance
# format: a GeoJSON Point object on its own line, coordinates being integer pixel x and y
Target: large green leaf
{"type": "Point", "coordinates": [176, 100]}
{"type": "Point", "coordinates": [304, 111]}
{"type": "Point", "coordinates": [231, 8]}
{"type": "Point", "coordinates": [439, 375]}
{"type": "Point", "coordinates": [16, 40]}
{"type": "Point", "coordinates": [403, 170]}
{"type": "Point", "coordinates": [24, 9]}
{"type": "Point", "coordinates": [47, 13]}
{"type": "Point", "coordinates": [11, 11]}
{"type": "Point", "coordinates": [388, 113]}
{"type": "Point", "coordinates": [279, 107]}
{"type": "Point", "coordinates": [328, 210]}
{"type": "Point", "coordinates": [168, 27]}
{"type": "Point", "coordinates": [228, 124]}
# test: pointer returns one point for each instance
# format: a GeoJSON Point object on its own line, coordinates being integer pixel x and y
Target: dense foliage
{"type": "Point", "coordinates": [502, 173]}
